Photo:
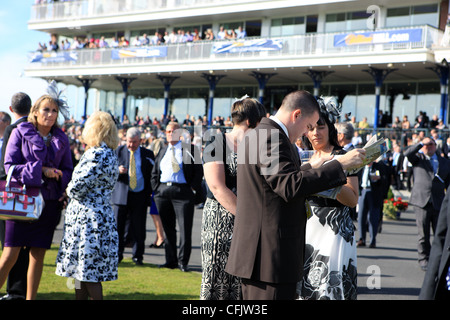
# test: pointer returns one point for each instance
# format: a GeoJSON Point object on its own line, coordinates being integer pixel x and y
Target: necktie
{"type": "Point", "coordinates": [175, 165]}
{"type": "Point", "coordinates": [133, 179]}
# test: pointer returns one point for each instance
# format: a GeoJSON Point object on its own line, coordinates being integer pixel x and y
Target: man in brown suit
{"type": "Point", "coordinates": [269, 232]}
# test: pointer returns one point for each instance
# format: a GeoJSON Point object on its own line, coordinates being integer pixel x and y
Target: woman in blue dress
{"type": "Point", "coordinates": [89, 247]}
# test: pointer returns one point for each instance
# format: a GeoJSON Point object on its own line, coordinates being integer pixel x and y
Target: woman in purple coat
{"type": "Point", "coordinates": [40, 151]}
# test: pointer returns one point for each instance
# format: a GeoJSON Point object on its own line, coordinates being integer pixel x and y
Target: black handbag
{"type": "Point", "coordinates": [18, 202]}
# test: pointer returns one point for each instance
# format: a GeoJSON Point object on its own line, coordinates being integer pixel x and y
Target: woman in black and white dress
{"type": "Point", "coordinates": [329, 271]}
{"type": "Point", "coordinates": [220, 157]}
{"type": "Point", "coordinates": [89, 248]}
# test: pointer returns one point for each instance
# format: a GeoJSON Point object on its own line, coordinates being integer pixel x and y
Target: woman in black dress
{"type": "Point", "coordinates": [220, 164]}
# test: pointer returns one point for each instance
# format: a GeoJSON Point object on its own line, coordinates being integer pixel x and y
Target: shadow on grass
{"type": "Point", "coordinates": [129, 296]}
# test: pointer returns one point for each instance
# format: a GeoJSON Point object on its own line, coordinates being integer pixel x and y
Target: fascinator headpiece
{"type": "Point", "coordinates": [55, 93]}
{"type": "Point", "coordinates": [330, 107]}
{"type": "Point", "coordinates": [241, 98]}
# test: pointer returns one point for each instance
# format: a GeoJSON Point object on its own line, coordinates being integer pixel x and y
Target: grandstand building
{"type": "Point", "coordinates": [374, 56]}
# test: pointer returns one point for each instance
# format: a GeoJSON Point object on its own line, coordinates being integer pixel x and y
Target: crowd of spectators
{"type": "Point", "coordinates": [158, 38]}
{"type": "Point", "coordinates": [153, 129]}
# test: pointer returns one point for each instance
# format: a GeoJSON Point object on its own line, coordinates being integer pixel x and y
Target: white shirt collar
{"type": "Point", "coordinates": [176, 146]}
{"type": "Point", "coordinates": [349, 145]}
{"type": "Point", "coordinates": [281, 124]}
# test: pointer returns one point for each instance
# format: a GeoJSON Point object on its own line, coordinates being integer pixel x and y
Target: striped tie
{"type": "Point", "coordinates": [133, 179]}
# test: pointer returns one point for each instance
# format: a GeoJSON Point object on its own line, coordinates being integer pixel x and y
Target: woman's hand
{"type": "Point", "coordinates": [52, 173]}
{"type": "Point", "coordinates": [64, 200]}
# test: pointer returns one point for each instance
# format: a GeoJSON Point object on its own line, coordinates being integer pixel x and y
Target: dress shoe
{"type": "Point", "coordinates": [168, 266]}
{"type": "Point", "coordinates": [138, 262]}
{"type": "Point", "coordinates": [360, 243]}
{"type": "Point", "coordinates": [372, 245]}
{"type": "Point", "coordinates": [183, 267]}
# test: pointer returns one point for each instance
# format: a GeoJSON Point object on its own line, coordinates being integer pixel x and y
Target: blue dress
{"type": "Point", "coordinates": [89, 247]}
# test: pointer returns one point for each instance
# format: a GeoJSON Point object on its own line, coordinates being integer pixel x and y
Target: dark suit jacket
{"type": "Point", "coordinates": [434, 281]}
{"type": "Point", "coordinates": [120, 192]}
{"type": "Point", "coordinates": [269, 232]}
{"type": "Point", "coordinates": [192, 169]}
{"type": "Point", "coordinates": [380, 187]}
{"type": "Point", "coordinates": [6, 135]}
{"type": "Point", "coordinates": [426, 185]}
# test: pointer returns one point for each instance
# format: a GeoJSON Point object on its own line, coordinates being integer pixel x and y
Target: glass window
{"type": "Point", "coordinates": [357, 20]}
{"type": "Point", "coordinates": [398, 12]}
{"type": "Point", "coordinates": [431, 8]}
{"type": "Point", "coordinates": [335, 17]}
{"type": "Point", "coordinates": [429, 98]}
{"type": "Point", "coordinates": [427, 14]}
{"type": "Point", "coordinates": [198, 99]}
{"type": "Point", "coordinates": [365, 102]}
{"type": "Point", "coordinates": [398, 17]}
{"type": "Point", "coordinates": [222, 102]}
{"type": "Point", "coordinates": [335, 22]}
{"type": "Point", "coordinates": [287, 26]}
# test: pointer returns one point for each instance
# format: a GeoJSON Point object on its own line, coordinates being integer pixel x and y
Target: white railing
{"type": "Point", "coordinates": [301, 46]}
{"type": "Point", "coordinates": [80, 9]}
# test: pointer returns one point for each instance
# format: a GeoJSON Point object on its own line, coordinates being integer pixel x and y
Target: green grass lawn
{"type": "Point", "coordinates": [146, 282]}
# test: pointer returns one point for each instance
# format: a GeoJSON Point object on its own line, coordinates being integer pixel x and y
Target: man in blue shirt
{"type": "Point", "coordinates": [132, 193]}
{"type": "Point", "coordinates": [176, 180]}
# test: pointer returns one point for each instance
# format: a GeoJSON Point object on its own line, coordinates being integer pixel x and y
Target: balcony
{"type": "Point", "coordinates": [98, 8]}
{"type": "Point", "coordinates": [92, 15]}
{"type": "Point", "coordinates": [341, 52]}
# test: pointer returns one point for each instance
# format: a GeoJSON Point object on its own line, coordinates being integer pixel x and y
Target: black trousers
{"type": "Point", "coordinates": [176, 202]}
{"type": "Point", "coordinates": [134, 213]}
{"type": "Point", "coordinates": [17, 277]}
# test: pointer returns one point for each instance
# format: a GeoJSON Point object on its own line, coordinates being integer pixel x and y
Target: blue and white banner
{"type": "Point", "coordinates": [378, 37]}
{"type": "Point", "coordinates": [150, 52]}
{"type": "Point", "coordinates": [54, 57]}
{"type": "Point", "coordinates": [248, 46]}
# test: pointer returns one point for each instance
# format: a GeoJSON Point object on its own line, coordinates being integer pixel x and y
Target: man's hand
{"type": "Point", "coordinates": [317, 160]}
{"type": "Point", "coordinates": [123, 170]}
{"type": "Point", "coordinates": [352, 159]}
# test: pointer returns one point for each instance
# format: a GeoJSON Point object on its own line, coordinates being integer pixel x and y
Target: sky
{"type": "Point", "coordinates": [17, 42]}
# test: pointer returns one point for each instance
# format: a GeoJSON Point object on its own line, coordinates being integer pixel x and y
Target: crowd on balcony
{"type": "Point", "coordinates": [158, 38]}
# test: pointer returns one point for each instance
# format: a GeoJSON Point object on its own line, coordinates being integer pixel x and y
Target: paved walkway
{"type": "Point", "coordinates": [388, 272]}
{"type": "Point", "coordinates": [391, 271]}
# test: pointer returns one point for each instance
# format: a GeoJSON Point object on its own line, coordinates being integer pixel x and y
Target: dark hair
{"type": "Point", "coordinates": [332, 131]}
{"type": "Point", "coordinates": [247, 109]}
{"type": "Point", "coordinates": [21, 103]}
{"type": "Point", "coordinates": [300, 99]}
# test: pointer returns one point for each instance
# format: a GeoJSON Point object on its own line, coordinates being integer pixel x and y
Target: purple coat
{"type": "Point", "coordinates": [27, 151]}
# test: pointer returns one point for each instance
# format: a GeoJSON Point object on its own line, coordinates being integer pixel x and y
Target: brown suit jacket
{"type": "Point", "coordinates": [269, 232]}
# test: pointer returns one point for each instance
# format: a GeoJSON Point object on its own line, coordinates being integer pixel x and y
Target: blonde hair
{"type": "Point", "coordinates": [32, 118]}
{"type": "Point", "coordinates": [100, 127]}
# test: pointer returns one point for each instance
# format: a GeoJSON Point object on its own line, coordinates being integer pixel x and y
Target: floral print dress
{"type": "Point", "coordinates": [89, 248]}
{"type": "Point", "coordinates": [330, 253]}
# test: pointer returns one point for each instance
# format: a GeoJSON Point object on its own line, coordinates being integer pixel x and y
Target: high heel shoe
{"type": "Point", "coordinates": [154, 245]}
